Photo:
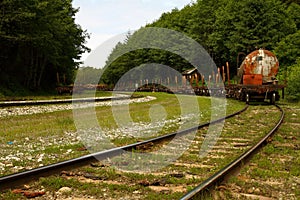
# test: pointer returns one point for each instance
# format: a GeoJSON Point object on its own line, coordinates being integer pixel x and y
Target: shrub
{"type": "Point", "coordinates": [293, 78]}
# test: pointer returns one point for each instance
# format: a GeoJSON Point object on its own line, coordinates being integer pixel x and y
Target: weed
{"type": "Point", "coordinates": [11, 196]}
{"type": "Point", "coordinates": [55, 183]}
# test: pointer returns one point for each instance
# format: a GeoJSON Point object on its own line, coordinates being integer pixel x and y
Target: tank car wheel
{"type": "Point", "coordinates": [247, 98]}
{"type": "Point", "coordinates": [273, 98]}
{"type": "Point", "coordinates": [236, 95]}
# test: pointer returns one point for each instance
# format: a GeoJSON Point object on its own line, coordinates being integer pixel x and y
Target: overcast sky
{"type": "Point", "coordinates": [104, 19]}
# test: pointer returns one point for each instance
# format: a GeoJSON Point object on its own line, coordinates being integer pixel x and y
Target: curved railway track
{"type": "Point", "coordinates": [18, 179]}
{"type": "Point", "coordinates": [200, 191]}
{"type": "Point", "coordinates": [245, 148]}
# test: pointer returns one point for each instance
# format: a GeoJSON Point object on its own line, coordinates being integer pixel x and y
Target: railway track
{"type": "Point", "coordinates": [189, 167]}
{"type": "Point", "coordinates": [18, 179]}
{"type": "Point", "coordinates": [202, 189]}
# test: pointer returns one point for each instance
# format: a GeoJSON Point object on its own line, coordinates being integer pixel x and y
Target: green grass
{"type": "Point", "coordinates": [11, 196]}
{"type": "Point", "coordinates": [98, 191]}
{"type": "Point", "coordinates": [36, 125]}
{"type": "Point", "coordinates": [55, 183]}
{"type": "Point", "coordinates": [56, 123]}
{"type": "Point", "coordinates": [277, 162]}
{"type": "Point", "coordinates": [54, 126]}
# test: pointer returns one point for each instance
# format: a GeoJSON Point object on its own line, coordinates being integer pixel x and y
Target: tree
{"type": "Point", "coordinates": [88, 75]}
{"type": "Point", "coordinates": [125, 56]}
{"type": "Point", "coordinates": [293, 87]}
{"type": "Point", "coordinates": [202, 22]}
{"type": "Point", "coordinates": [223, 27]}
{"type": "Point", "coordinates": [291, 1]}
{"type": "Point", "coordinates": [39, 39]}
{"type": "Point", "coordinates": [294, 11]}
{"type": "Point", "coordinates": [287, 50]}
{"type": "Point", "coordinates": [243, 26]}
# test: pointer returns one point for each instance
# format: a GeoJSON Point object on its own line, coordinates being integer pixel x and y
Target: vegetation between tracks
{"type": "Point", "coordinates": [29, 141]}
{"type": "Point", "coordinates": [172, 181]}
{"type": "Point", "coordinates": [104, 181]}
{"type": "Point", "coordinates": [274, 172]}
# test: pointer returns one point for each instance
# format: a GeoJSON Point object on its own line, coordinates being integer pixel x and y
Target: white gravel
{"type": "Point", "coordinates": [31, 149]}
{"type": "Point", "coordinates": [29, 110]}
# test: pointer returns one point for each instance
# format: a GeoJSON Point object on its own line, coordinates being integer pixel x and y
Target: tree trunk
{"type": "Point", "coordinates": [43, 64]}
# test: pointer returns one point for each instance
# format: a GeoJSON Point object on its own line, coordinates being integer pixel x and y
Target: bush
{"type": "Point", "coordinates": [293, 78]}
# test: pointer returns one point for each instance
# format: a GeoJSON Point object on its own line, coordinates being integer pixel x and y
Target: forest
{"type": "Point", "coordinates": [40, 41]}
{"type": "Point", "coordinates": [224, 28]}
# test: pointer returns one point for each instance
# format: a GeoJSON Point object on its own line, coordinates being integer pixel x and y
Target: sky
{"type": "Point", "coordinates": [108, 21]}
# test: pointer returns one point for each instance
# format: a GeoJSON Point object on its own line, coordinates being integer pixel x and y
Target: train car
{"type": "Point", "coordinates": [257, 78]}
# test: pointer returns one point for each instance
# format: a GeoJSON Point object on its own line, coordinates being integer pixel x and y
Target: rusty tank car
{"type": "Point", "coordinates": [259, 67]}
{"type": "Point", "coordinates": [257, 77]}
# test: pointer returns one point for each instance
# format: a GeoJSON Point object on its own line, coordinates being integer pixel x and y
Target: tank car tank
{"type": "Point", "coordinates": [257, 77]}
{"type": "Point", "coordinates": [259, 68]}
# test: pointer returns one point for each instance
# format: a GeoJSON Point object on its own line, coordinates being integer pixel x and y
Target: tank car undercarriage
{"type": "Point", "coordinates": [249, 93]}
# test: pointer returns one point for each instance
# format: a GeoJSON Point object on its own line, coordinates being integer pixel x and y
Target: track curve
{"type": "Point", "coordinates": [197, 192]}
{"type": "Point", "coordinates": [15, 180]}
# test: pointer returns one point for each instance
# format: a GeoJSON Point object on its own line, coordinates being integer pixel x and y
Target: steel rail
{"type": "Point", "coordinates": [220, 175]}
{"type": "Point", "coordinates": [14, 180]}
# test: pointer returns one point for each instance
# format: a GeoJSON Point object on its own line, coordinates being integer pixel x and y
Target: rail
{"type": "Point", "coordinates": [198, 191]}
{"type": "Point", "coordinates": [14, 180]}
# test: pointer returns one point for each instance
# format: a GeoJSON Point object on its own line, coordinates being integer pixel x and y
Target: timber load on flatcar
{"type": "Point", "coordinates": [257, 78]}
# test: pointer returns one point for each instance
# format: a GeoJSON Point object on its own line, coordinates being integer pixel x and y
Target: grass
{"type": "Point", "coordinates": [37, 125]}
{"type": "Point", "coordinates": [53, 134]}
{"type": "Point", "coordinates": [55, 183]}
{"type": "Point", "coordinates": [275, 169]}
{"type": "Point", "coordinates": [42, 156]}
{"type": "Point", "coordinates": [12, 196]}
{"type": "Point", "coordinates": [18, 127]}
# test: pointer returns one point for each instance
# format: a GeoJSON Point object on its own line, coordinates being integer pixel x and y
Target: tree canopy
{"type": "Point", "coordinates": [225, 28]}
{"type": "Point", "coordinates": [40, 43]}
{"type": "Point", "coordinates": [243, 26]}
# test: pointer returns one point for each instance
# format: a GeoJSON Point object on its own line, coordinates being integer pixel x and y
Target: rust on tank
{"type": "Point", "coordinates": [261, 62]}
{"type": "Point", "coordinates": [249, 64]}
